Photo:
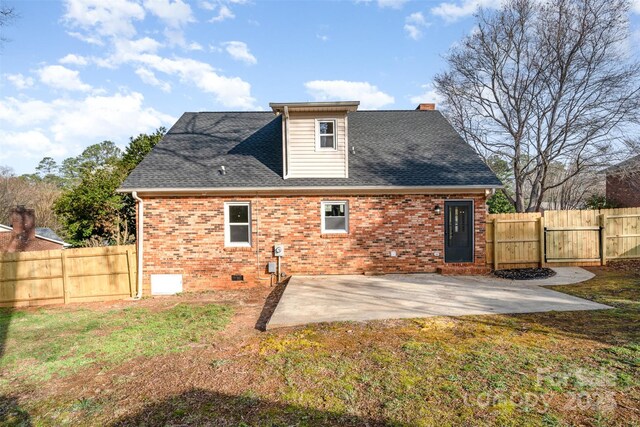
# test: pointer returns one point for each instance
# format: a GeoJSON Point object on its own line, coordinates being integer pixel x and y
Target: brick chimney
{"type": "Point", "coordinates": [23, 222]}
{"type": "Point", "coordinates": [426, 107]}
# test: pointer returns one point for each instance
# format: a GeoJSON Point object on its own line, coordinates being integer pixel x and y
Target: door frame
{"type": "Point", "coordinates": [473, 231]}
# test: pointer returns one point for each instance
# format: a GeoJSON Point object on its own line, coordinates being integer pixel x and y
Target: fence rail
{"type": "Point", "coordinates": [69, 275]}
{"type": "Point", "coordinates": [563, 237]}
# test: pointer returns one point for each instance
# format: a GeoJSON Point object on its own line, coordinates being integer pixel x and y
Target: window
{"type": "Point", "coordinates": [335, 217]}
{"type": "Point", "coordinates": [237, 224]}
{"type": "Point", "coordinates": [326, 131]}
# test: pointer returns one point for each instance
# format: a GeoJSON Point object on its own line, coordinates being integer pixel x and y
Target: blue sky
{"type": "Point", "coordinates": [78, 72]}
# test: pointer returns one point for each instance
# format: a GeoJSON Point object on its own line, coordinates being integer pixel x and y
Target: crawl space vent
{"type": "Point", "coordinates": [166, 284]}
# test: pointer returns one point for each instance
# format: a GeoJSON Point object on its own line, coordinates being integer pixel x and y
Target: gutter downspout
{"type": "Point", "coordinates": [139, 238]}
{"type": "Point", "coordinates": [258, 266]}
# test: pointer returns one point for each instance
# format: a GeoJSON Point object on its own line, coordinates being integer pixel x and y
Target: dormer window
{"type": "Point", "coordinates": [326, 135]}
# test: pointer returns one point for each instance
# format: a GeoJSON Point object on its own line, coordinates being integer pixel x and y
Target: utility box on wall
{"type": "Point", "coordinates": [271, 267]}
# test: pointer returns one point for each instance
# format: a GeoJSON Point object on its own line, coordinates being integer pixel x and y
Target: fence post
{"type": "Point", "coordinates": [65, 275]}
{"type": "Point", "coordinates": [603, 239]}
{"type": "Point", "coordinates": [495, 244]}
{"type": "Point", "coordinates": [542, 243]}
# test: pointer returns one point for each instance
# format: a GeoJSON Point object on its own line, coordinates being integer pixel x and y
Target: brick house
{"type": "Point", "coordinates": [339, 191]}
{"type": "Point", "coordinates": [23, 235]}
{"type": "Point", "coordinates": [623, 183]}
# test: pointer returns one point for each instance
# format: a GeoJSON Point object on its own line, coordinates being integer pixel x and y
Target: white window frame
{"type": "Point", "coordinates": [346, 216]}
{"type": "Point", "coordinates": [334, 134]}
{"type": "Point", "coordinates": [227, 225]}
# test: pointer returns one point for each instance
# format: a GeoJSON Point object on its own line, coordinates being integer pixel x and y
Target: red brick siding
{"type": "Point", "coordinates": [36, 244]}
{"type": "Point", "coordinates": [185, 235]}
{"type": "Point", "coordinates": [624, 191]}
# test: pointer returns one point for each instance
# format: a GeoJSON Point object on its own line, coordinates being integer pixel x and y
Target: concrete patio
{"type": "Point", "coordinates": [314, 299]}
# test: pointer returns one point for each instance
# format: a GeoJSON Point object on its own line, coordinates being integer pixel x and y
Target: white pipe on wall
{"type": "Point", "coordinates": [139, 241]}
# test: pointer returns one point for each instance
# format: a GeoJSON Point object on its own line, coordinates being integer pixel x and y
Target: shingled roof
{"type": "Point", "coordinates": [391, 148]}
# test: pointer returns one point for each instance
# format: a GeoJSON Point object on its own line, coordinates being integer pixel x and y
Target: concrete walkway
{"type": "Point", "coordinates": [314, 299]}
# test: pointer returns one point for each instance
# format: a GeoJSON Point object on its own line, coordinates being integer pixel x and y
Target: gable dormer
{"type": "Point", "coordinates": [315, 142]}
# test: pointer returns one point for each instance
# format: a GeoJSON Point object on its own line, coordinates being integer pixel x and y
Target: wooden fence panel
{"type": "Point", "coordinates": [568, 237]}
{"type": "Point", "coordinates": [70, 275]}
{"type": "Point", "coordinates": [514, 239]}
{"type": "Point", "coordinates": [622, 233]}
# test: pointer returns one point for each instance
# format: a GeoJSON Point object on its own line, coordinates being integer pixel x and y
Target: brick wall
{"type": "Point", "coordinates": [624, 191]}
{"type": "Point", "coordinates": [185, 235]}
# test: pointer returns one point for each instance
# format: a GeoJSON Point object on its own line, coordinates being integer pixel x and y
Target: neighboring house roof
{"type": "Point", "coordinates": [391, 148]}
{"type": "Point", "coordinates": [42, 233]}
{"type": "Point", "coordinates": [631, 163]}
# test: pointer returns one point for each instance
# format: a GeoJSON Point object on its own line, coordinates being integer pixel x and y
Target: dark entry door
{"type": "Point", "coordinates": [458, 231]}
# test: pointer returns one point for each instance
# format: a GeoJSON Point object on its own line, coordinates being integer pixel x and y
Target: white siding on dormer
{"type": "Point", "coordinates": [305, 160]}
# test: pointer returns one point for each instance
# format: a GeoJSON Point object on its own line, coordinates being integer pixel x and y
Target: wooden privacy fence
{"type": "Point", "coordinates": [573, 237]}
{"type": "Point", "coordinates": [69, 275]}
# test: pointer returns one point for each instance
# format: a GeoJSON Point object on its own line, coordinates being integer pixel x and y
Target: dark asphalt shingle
{"type": "Point", "coordinates": [392, 148]}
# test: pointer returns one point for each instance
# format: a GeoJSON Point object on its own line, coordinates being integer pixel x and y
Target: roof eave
{"type": "Point", "coordinates": [39, 236]}
{"type": "Point", "coordinates": [337, 190]}
{"type": "Point", "coordinates": [278, 107]}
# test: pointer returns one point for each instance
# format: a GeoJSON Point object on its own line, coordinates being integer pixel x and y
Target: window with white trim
{"type": "Point", "coordinates": [326, 134]}
{"type": "Point", "coordinates": [335, 217]}
{"type": "Point", "coordinates": [237, 224]}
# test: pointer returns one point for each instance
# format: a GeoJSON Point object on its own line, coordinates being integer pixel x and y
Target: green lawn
{"type": "Point", "coordinates": [548, 369]}
{"type": "Point", "coordinates": [43, 343]}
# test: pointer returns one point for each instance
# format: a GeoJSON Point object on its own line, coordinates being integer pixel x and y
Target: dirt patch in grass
{"type": "Point", "coordinates": [577, 368]}
{"type": "Point", "coordinates": [631, 266]}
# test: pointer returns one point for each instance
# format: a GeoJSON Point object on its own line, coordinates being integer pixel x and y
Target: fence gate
{"type": "Point", "coordinates": [572, 236]}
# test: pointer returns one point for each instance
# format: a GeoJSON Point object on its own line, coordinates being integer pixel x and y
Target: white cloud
{"type": "Point", "coordinates": [72, 59]}
{"type": "Point", "coordinates": [31, 144]}
{"type": "Point", "coordinates": [206, 5]}
{"type": "Point", "coordinates": [452, 12]}
{"type": "Point", "coordinates": [65, 126]}
{"type": "Point", "coordinates": [19, 81]}
{"type": "Point", "coordinates": [414, 24]}
{"type": "Point", "coordinates": [322, 37]}
{"type": "Point", "coordinates": [240, 52]}
{"type": "Point", "coordinates": [393, 4]}
{"type": "Point", "coordinates": [150, 78]}
{"type": "Point", "coordinates": [232, 92]}
{"type": "Point", "coordinates": [107, 18]}
{"type": "Point", "coordinates": [86, 38]}
{"type": "Point", "coordinates": [173, 13]}
{"type": "Point", "coordinates": [127, 51]}
{"type": "Point", "coordinates": [635, 6]}
{"type": "Point", "coordinates": [223, 14]}
{"type": "Point", "coordinates": [96, 117]}
{"type": "Point", "coordinates": [370, 96]}
{"type": "Point", "coordinates": [428, 95]}
{"type": "Point", "coordinates": [59, 77]}
{"type": "Point", "coordinates": [18, 112]}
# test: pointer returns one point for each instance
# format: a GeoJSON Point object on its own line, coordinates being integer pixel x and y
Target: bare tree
{"type": "Point", "coordinates": [575, 191]}
{"type": "Point", "coordinates": [37, 195]}
{"type": "Point", "coordinates": [541, 83]}
{"type": "Point", "coordinates": [7, 15]}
